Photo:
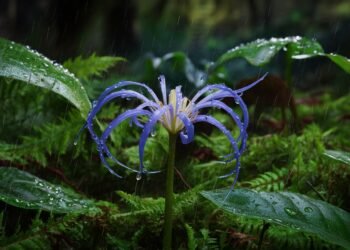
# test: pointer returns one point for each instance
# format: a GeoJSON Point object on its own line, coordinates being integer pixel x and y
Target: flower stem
{"type": "Point", "coordinates": [169, 193]}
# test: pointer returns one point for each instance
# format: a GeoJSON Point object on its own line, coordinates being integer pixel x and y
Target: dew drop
{"type": "Point", "coordinates": [290, 211]}
{"type": "Point", "coordinates": [308, 209]}
{"type": "Point", "coordinates": [75, 143]}
{"type": "Point", "coordinates": [138, 176]}
{"type": "Point", "coordinates": [153, 133]}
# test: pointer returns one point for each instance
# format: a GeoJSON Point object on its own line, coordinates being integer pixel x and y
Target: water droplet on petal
{"type": "Point", "coordinates": [153, 133]}
{"type": "Point", "coordinates": [138, 176]}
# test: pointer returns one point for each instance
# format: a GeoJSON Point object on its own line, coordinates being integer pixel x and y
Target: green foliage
{"type": "Point", "coordinates": [31, 242]}
{"type": "Point", "coordinates": [85, 68]}
{"type": "Point", "coordinates": [50, 139]}
{"type": "Point", "coordinates": [261, 51]}
{"type": "Point", "coordinates": [21, 63]}
{"type": "Point", "coordinates": [338, 155]}
{"type": "Point", "coordinates": [288, 209]}
{"type": "Point", "coordinates": [269, 181]}
{"type": "Point", "coordinates": [191, 242]}
{"type": "Point", "coordinates": [39, 130]}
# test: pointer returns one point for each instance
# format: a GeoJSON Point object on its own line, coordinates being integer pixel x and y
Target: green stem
{"type": "Point", "coordinates": [169, 193]}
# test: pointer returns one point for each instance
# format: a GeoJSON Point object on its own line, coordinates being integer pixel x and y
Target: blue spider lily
{"type": "Point", "coordinates": [177, 114]}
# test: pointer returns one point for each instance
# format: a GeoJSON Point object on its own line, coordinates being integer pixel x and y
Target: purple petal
{"type": "Point", "coordinates": [251, 85]}
{"type": "Point", "coordinates": [121, 93]}
{"type": "Point", "coordinates": [105, 163]}
{"type": "Point", "coordinates": [147, 130]}
{"type": "Point", "coordinates": [128, 83]}
{"type": "Point", "coordinates": [112, 125]}
{"type": "Point", "coordinates": [229, 93]}
{"type": "Point", "coordinates": [188, 137]}
{"type": "Point", "coordinates": [223, 129]}
{"type": "Point", "coordinates": [234, 116]}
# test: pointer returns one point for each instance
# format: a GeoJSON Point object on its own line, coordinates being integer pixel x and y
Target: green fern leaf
{"type": "Point", "coordinates": [85, 68]}
{"type": "Point", "coordinates": [269, 181]}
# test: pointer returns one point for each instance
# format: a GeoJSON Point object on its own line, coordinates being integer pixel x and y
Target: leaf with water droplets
{"type": "Point", "coordinates": [293, 210]}
{"type": "Point", "coordinates": [261, 51]}
{"type": "Point", "coordinates": [21, 189]}
{"type": "Point", "coordinates": [24, 64]}
{"type": "Point", "coordinates": [338, 155]}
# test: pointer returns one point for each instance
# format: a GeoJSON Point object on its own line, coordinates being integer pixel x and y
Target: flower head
{"type": "Point", "coordinates": [176, 113]}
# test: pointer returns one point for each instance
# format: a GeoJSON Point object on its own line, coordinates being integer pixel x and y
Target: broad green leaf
{"type": "Point", "coordinates": [180, 59]}
{"type": "Point", "coordinates": [24, 64]}
{"type": "Point", "coordinates": [261, 51]}
{"type": "Point", "coordinates": [288, 209]}
{"type": "Point", "coordinates": [21, 189]}
{"type": "Point", "coordinates": [85, 68]}
{"type": "Point", "coordinates": [341, 61]}
{"type": "Point", "coordinates": [338, 155]}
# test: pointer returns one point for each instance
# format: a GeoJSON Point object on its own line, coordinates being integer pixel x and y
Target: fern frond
{"type": "Point", "coordinates": [85, 68]}
{"type": "Point", "coordinates": [191, 240]}
{"type": "Point", "coordinates": [52, 138]}
{"type": "Point", "coordinates": [269, 181]}
{"type": "Point", "coordinates": [36, 241]}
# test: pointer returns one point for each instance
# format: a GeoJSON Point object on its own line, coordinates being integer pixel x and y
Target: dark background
{"type": "Point", "coordinates": [202, 28]}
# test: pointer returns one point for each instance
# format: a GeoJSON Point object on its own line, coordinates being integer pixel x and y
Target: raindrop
{"type": "Point", "coordinates": [236, 101]}
{"type": "Point", "coordinates": [153, 133]}
{"type": "Point", "coordinates": [290, 211]}
{"type": "Point", "coordinates": [138, 176]}
{"type": "Point", "coordinates": [308, 209]}
{"type": "Point", "coordinates": [75, 143]}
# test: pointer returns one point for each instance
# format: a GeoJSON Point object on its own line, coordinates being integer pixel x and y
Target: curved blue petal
{"type": "Point", "coordinates": [122, 94]}
{"type": "Point", "coordinates": [147, 130]}
{"type": "Point", "coordinates": [96, 108]}
{"type": "Point", "coordinates": [142, 106]}
{"type": "Point", "coordinates": [127, 83]}
{"type": "Point", "coordinates": [105, 163]}
{"type": "Point", "coordinates": [234, 116]}
{"type": "Point", "coordinates": [251, 85]}
{"type": "Point", "coordinates": [224, 130]}
{"type": "Point", "coordinates": [189, 136]}
{"type": "Point", "coordinates": [229, 93]}
{"type": "Point", "coordinates": [112, 125]}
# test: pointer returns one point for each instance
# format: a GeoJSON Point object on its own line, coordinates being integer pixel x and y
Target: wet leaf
{"type": "Point", "coordinates": [180, 59]}
{"type": "Point", "coordinates": [341, 61]}
{"type": "Point", "coordinates": [338, 155]}
{"type": "Point", "coordinates": [24, 64]}
{"type": "Point", "coordinates": [261, 51]}
{"type": "Point", "coordinates": [21, 189]}
{"type": "Point", "coordinates": [292, 210]}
